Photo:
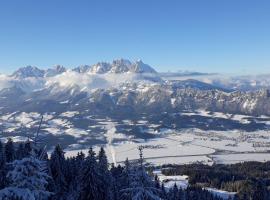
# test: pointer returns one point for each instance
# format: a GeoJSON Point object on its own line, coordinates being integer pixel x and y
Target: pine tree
{"type": "Point", "coordinates": [20, 152]}
{"type": "Point", "coordinates": [2, 167]}
{"type": "Point", "coordinates": [163, 192]}
{"type": "Point", "coordinates": [72, 179]}
{"type": "Point", "coordinates": [57, 170]}
{"type": "Point", "coordinates": [127, 179]}
{"type": "Point", "coordinates": [102, 160]}
{"type": "Point", "coordinates": [74, 169]}
{"type": "Point", "coordinates": [105, 176]}
{"type": "Point", "coordinates": [127, 173]}
{"type": "Point", "coordinates": [117, 181]}
{"type": "Point", "coordinates": [27, 148]}
{"type": "Point", "coordinates": [78, 165]}
{"type": "Point", "coordinates": [174, 193]}
{"type": "Point", "coordinates": [9, 150]}
{"type": "Point", "coordinates": [90, 179]}
{"type": "Point", "coordinates": [260, 191]}
{"type": "Point", "coordinates": [181, 194]}
{"type": "Point", "coordinates": [142, 186]}
{"type": "Point", "coordinates": [2, 156]}
{"type": "Point", "coordinates": [80, 160]}
{"type": "Point", "coordinates": [28, 180]}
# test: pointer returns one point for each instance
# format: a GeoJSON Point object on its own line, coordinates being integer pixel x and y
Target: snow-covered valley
{"type": "Point", "coordinates": [121, 105]}
{"type": "Point", "coordinates": [162, 144]}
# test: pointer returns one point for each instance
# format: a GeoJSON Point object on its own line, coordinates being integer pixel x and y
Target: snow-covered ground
{"type": "Point", "coordinates": [166, 146]}
{"type": "Point", "coordinates": [170, 181]}
{"type": "Point", "coordinates": [181, 181]}
{"type": "Point", "coordinates": [235, 158]}
{"type": "Point", "coordinates": [15, 139]}
{"type": "Point", "coordinates": [221, 193]}
{"type": "Point", "coordinates": [241, 118]}
{"type": "Point", "coordinates": [189, 146]}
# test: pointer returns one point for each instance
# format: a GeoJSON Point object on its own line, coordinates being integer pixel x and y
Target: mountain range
{"type": "Point", "coordinates": [133, 85]}
{"type": "Point", "coordinates": [77, 104]}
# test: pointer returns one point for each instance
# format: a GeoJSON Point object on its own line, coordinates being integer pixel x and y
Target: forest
{"type": "Point", "coordinates": [251, 180]}
{"type": "Point", "coordinates": [27, 172]}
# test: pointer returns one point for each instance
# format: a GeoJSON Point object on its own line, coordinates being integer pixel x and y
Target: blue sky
{"type": "Point", "coordinates": [231, 36]}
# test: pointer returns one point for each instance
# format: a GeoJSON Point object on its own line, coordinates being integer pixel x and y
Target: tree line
{"type": "Point", "coordinates": [251, 180]}
{"type": "Point", "coordinates": [27, 173]}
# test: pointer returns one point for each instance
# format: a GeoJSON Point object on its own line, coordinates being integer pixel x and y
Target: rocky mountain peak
{"type": "Point", "coordinates": [28, 71]}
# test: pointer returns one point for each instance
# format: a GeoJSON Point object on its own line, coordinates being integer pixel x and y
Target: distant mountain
{"type": "Point", "coordinates": [58, 69]}
{"type": "Point", "coordinates": [128, 86]}
{"type": "Point", "coordinates": [77, 103]}
{"type": "Point", "coordinates": [28, 71]}
{"type": "Point", "coordinates": [183, 74]}
{"type": "Point", "coordinates": [117, 67]}
{"type": "Point", "coordinates": [32, 71]}
{"type": "Point", "coordinates": [82, 69]}
{"type": "Point", "coordinates": [100, 75]}
{"type": "Point", "coordinates": [195, 84]}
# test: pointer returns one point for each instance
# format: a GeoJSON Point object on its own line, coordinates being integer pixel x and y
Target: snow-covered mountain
{"type": "Point", "coordinates": [28, 71]}
{"type": "Point", "coordinates": [121, 71]}
{"type": "Point", "coordinates": [117, 66]}
{"type": "Point", "coordinates": [58, 69]}
{"type": "Point", "coordinates": [127, 86]}
{"type": "Point", "coordinates": [100, 75]}
{"type": "Point", "coordinates": [77, 104]}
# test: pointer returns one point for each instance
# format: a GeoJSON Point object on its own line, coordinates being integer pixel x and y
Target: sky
{"type": "Point", "coordinates": [224, 36]}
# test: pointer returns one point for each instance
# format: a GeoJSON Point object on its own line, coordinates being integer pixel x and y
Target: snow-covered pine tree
{"type": "Point", "coordinates": [117, 181]}
{"type": "Point", "coordinates": [57, 170]}
{"type": "Point", "coordinates": [90, 179]}
{"type": "Point", "coordinates": [127, 179]}
{"type": "Point", "coordinates": [28, 180]}
{"type": "Point", "coordinates": [74, 170]}
{"type": "Point", "coordinates": [72, 179]}
{"type": "Point", "coordinates": [163, 192]}
{"type": "Point", "coordinates": [181, 193]}
{"type": "Point", "coordinates": [80, 160]}
{"type": "Point", "coordinates": [104, 176]}
{"type": "Point", "coordinates": [127, 172]}
{"type": "Point", "coordinates": [2, 155]}
{"type": "Point", "coordinates": [102, 160]}
{"type": "Point", "coordinates": [142, 186]}
{"type": "Point", "coordinates": [77, 166]}
{"type": "Point", "coordinates": [9, 150]}
{"type": "Point", "coordinates": [174, 193]}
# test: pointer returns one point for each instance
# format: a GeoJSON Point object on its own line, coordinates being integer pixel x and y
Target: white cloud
{"type": "Point", "coordinates": [5, 81]}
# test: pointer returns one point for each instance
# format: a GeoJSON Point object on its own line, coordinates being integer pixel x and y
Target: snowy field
{"type": "Point", "coordinates": [222, 194]}
{"type": "Point", "coordinates": [161, 146]}
{"type": "Point", "coordinates": [170, 181]}
{"type": "Point", "coordinates": [189, 146]}
{"type": "Point", "coordinates": [182, 182]}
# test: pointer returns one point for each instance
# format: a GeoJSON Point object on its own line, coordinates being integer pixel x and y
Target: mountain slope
{"type": "Point", "coordinates": [78, 104]}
